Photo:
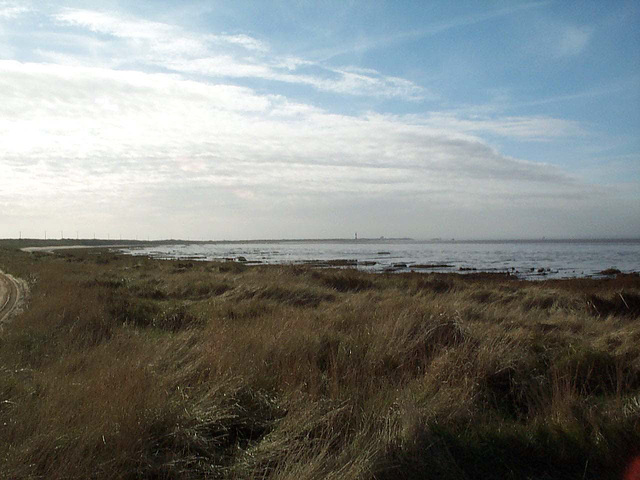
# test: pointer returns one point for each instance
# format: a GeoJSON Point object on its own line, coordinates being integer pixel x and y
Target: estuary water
{"type": "Point", "coordinates": [526, 259]}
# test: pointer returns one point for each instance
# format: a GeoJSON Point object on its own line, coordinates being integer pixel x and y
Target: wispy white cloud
{"type": "Point", "coordinates": [125, 129]}
{"type": "Point", "coordinates": [557, 39]}
{"type": "Point", "coordinates": [116, 25]}
{"type": "Point", "coordinates": [629, 84]}
{"type": "Point", "coordinates": [522, 127]}
{"type": "Point", "coordinates": [157, 33]}
{"type": "Point", "coordinates": [244, 41]}
{"type": "Point", "coordinates": [573, 40]}
{"type": "Point", "coordinates": [374, 42]}
{"type": "Point", "coordinates": [12, 9]}
{"type": "Point", "coordinates": [236, 56]}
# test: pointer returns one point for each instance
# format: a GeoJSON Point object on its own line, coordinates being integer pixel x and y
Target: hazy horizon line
{"type": "Point", "coordinates": [329, 239]}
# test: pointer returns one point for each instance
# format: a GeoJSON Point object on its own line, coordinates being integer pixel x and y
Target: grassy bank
{"type": "Point", "coordinates": [126, 367]}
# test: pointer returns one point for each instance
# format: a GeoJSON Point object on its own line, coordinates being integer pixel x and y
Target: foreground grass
{"type": "Point", "coordinates": [125, 367]}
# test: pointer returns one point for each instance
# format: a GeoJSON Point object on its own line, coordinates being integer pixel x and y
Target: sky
{"type": "Point", "coordinates": [236, 119]}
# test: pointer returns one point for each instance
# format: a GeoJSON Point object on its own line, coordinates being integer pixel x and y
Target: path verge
{"type": "Point", "coordinates": [12, 294]}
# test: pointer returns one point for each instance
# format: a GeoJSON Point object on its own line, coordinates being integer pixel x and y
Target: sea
{"type": "Point", "coordinates": [527, 259]}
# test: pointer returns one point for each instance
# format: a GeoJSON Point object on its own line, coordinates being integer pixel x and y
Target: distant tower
{"type": "Point", "coordinates": [356, 237]}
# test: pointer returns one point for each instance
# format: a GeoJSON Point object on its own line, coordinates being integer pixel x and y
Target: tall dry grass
{"type": "Point", "coordinates": [125, 367]}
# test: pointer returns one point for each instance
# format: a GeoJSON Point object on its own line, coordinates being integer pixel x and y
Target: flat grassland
{"type": "Point", "coordinates": [127, 367]}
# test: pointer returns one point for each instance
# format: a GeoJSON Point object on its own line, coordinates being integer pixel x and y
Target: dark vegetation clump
{"type": "Point", "coordinates": [123, 367]}
{"type": "Point", "coordinates": [288, 295]}
{"type": "Point", "coordinates": [618, 304]}
{"type": "Point", "coordinates": [434, 284]}
{"type": "Point", "coordinates": [344, 280]}
{"type": "Point", "coordinates": [610, 271]}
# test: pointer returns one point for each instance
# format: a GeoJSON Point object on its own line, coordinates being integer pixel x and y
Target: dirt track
{"type": "Point", "coordinates": [12, 293]}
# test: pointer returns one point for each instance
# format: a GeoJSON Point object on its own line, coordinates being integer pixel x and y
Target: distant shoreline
{"type": "Point", "coordinates": [30, 244]}
{"type": "Point", "coordinates": [52, 248]}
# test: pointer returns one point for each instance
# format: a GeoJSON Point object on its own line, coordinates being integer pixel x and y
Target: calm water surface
{"type": "Point", "coordinates": [525, 259]}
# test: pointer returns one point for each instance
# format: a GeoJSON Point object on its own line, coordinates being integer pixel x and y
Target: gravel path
{"type": "Point", "coordinates": [12, 293]}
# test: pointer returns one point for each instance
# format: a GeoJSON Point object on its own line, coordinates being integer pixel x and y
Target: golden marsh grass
{"type": "Point", "coordinates": [126, 367]}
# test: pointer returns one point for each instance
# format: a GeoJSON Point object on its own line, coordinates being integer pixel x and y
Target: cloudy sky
{"type": "Point", "coordinates": [212, 119]}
